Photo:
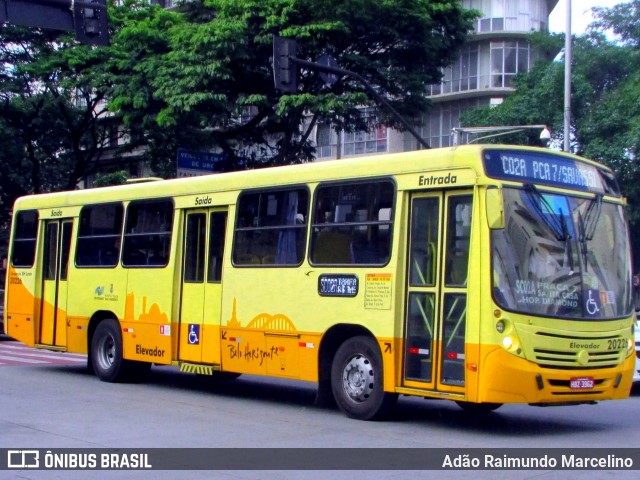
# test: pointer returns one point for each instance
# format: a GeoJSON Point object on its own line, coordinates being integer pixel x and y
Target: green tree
{"type": "Point", "coordinates": [201, 78]}
{"type": "Point", "coordinates": [108, 179]}
{"type": "Point", "coordinates": [50, 125]}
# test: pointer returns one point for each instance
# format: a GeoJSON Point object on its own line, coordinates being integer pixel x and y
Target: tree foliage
{"type": "Point", "coordinates": [51, 129]}
{"type": "Point", "coordinates": [201, 77]}
{"type": "Point", "coordinates": [108, 179]}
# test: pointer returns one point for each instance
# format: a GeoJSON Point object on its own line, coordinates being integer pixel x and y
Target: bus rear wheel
{"type": "Point", "coordinates": [356, 380]}
{"type": "Point", "coordinates": [106, 355]}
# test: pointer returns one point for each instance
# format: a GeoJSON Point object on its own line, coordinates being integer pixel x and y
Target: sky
{"type": "Point", "coordinates": [580, 14]}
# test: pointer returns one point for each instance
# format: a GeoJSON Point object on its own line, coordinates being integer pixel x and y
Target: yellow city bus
{"type": "Point", "coordinates": [480, 274]}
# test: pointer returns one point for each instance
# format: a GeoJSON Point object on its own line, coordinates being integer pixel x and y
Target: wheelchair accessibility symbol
{"type": "Point", "coordinates": [593, 304]}
{"type": "Point", "coordinates": [194, 334]}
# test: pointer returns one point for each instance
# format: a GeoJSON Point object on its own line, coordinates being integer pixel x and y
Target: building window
{"type": "Point", "coordinates": [360, 143]}
{"type": "Point", "coordinates": [509, 15]}
{"type": "Point", "coordinates": [376, 140]}
{"type": "Point", "coordinates": [164, 3]}
{"type": "Point", "coordinates": [484, 65]}
{"type": "Point", "coordinates": [325, 141]}
{"type": "Point", "coordinates": [442, 118]}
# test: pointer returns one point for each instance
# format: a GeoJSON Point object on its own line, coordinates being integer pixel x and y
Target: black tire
{"type": "Point", "coordinates": [357, 378]}
{"type": "Point", "coordinates": [106, 355]}
{"type": "Point", "coordinates": [478, 408]}
{"type": "Point", "coordinates": [225, 376]}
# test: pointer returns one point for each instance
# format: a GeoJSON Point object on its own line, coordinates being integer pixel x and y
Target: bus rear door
{"type": "Point", "coordinates": [434, 352]}
{"type": "Point", "coordinates": [55, 267]}
{"type": "Point", "coordinates": [202, 286]}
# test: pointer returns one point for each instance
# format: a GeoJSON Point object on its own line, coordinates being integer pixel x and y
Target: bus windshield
{"type": "Point", "coordinates": [562, 256]}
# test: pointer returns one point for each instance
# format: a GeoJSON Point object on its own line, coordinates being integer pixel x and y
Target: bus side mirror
{"type": "Point", "coordinates": [495, 208]}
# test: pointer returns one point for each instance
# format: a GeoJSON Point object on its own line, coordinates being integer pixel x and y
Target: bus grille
{"type": "Point", "coordinates": [555, 358]}
{"type": "Point", "coordinates": [548, 356]}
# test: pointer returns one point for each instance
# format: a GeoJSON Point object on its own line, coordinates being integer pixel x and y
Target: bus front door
{"type": "Point", "coordinates": [200, 309]}
{"type": "Point", "coordinates": [437, 291]}
{"type": "Point", "coordinates": [55, 263]}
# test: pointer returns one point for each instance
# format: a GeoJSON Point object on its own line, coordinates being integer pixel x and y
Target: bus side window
{"type": "Point", "coordinates": [217, 229]}
{"type": "Point", "coordinates": [271, 228]}
{"type": "Point", "coordinates": [23, 251]}
{"type": "Point", "coordinates": [99, 235]}
{"type": "Point", "coordinates": [352, 224]}
{"type": "Point", "coordinates": [193, 248]}
{"type": "Point", "coordinates": [458, 236]}
{"type": "Point", "coordinates": [147, 236]}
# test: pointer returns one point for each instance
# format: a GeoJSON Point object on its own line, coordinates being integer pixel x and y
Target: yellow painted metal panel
{"type": "Point", "coordinates": [437, 179]}
{"type": "Point", "coordinates": [77, 329]}
{"type": "Point", "coordinates": [146, 342]}
{"type": "Point", "coordinates": [191, 314]}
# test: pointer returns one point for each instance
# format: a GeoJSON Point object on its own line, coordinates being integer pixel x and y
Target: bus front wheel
{"type": "Point", "coordinates": [356, 380]}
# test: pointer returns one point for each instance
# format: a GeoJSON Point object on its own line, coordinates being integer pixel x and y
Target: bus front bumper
{"type": "Point", "coordinates": [506, 378]}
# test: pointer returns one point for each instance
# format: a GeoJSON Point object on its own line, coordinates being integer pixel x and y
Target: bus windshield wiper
{"type": "Point", "coordinates": [555, 221]}
{"type": "Point", "coordinates": [587, 226]}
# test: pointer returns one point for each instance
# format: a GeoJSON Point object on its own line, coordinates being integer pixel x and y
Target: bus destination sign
{"type": "Point", "coordinates": [541, 168]}
{"type": "Point", "coordinates": [339, 285]}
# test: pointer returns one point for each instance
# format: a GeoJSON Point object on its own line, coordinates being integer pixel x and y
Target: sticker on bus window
{"type": "Point", "coordinates": [378, 291]}
{"type": "Point", "coordinates": [592, 303]}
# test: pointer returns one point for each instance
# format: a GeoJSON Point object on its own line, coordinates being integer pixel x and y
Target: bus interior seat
{"type": "Point", "coordinates": [332, 247]}
{"type": "Point", "coordinates": [363, 253]}
{"type": "Point", "coordinates": [457, 271]}
{"type": "Point", "coordinates": [247, 259]}
{"type": "Point", "coordinates": [269, 260]}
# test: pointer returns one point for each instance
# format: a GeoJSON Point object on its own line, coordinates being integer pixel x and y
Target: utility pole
{"type": "Point", "coordinates": [567, 81]}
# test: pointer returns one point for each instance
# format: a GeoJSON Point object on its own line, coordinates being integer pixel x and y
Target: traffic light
{"type": "Point", "coordinates": [284, 66]}
{"type": "Point", "coordinates": [88, 18]}
{"type": "Point", "coordinates": [91, 23]}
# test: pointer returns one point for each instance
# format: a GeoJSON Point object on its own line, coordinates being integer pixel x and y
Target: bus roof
{"type": "Point", "coordinates": [465, 156]}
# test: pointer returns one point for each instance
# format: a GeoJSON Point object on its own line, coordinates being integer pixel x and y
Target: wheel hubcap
{"type": "Point", "coordinates": [106, 351]}
{"type": "Point", "coordinates": [358, 378]}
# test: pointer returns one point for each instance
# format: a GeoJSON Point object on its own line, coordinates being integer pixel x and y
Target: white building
{"type": "Point", "coordinates": [496, 51]}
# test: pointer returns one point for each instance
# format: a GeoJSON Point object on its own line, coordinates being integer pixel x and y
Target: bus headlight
{"type": "Point", "coordinates": [508, 336]}
{"type": "Point", "coordinates": [511, 344]}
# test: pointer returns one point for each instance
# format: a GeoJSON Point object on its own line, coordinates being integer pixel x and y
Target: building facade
{"type": "Point", "coordinates": [496, 51]}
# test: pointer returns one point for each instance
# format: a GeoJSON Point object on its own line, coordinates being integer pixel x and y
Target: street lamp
{"type": "Point", "coordinates": [545, 134]}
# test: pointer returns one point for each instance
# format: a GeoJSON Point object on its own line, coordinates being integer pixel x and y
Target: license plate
{"type": "Point", "coordinates": [581, 383]}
